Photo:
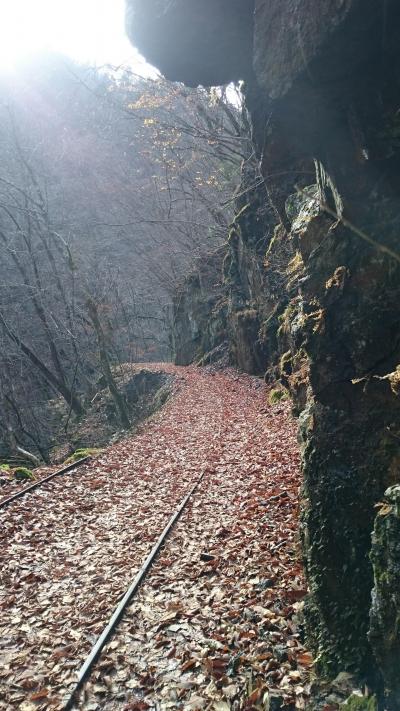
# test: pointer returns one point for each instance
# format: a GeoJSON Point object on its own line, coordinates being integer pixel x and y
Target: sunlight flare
{"type": "Point", "coordinates": [90, 31]}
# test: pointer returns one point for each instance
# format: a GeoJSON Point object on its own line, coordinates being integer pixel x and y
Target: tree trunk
{"type": "Point", "coordinates": [59, 386]}
{"type": "Point", "coordinates": [105, 364]}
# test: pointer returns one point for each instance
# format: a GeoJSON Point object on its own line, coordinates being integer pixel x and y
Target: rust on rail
{"type": "Point", "coordinates": [115, 618]}
{"type": "Point", "coordinates": [39, 483]}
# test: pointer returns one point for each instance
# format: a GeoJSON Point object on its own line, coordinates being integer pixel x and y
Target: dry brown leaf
{"type": "Point", "coordinates": [42, 694]}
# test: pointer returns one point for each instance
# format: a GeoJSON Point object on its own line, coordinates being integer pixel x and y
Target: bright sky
{"type": "Point", "coordinates": [90, 31]}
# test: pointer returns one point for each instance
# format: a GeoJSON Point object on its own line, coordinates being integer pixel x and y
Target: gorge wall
{"type": "Point", "coordinates": [312, 274]}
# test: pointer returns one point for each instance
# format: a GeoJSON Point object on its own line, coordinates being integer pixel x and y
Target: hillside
{"type": "Point", "coordinates": [112, 187]}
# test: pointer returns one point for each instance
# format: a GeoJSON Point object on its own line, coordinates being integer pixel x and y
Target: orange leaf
{"type": "Point", "coordinates": [188, 665]}
{"type": "Point", "coordinates": [305, 659]}
{"type": "Point", "coordinates": [295, 595]}
{"type": "Point", "coordinates": [40, 694]}
{"type": "Point", "coordinates": [254, 697]}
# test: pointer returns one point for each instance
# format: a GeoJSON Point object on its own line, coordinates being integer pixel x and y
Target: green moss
{"type": "Point", "coordinates": [4, 467]}
{"type": "Point", "coordinates": [23, 474]}
{"type": "Point", "coordinates": [81, 453]}
{"type": "Point", "coordinates": [277, 395]}
{"type": "Point", "coordinates": [360, 703]}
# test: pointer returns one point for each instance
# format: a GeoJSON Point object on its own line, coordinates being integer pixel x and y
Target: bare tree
{"type": "Point", "coordinates": [113, 186]}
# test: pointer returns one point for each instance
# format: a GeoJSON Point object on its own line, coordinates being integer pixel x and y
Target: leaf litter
{"type": "Point", "coordinates": [216, 624]}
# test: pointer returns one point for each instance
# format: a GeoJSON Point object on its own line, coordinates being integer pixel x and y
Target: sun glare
{"type": "Point", "coordinates": [90, 31]}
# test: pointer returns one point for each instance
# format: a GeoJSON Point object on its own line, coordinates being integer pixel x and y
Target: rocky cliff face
{"type": "Point", "coordinates": [314, 263]}
{"type": "Point", "coordinates": [205, 42]}
{"type": "Point", "coordinates": [385, 611]}
{"type": "Point", "coordinates": [199, 313]}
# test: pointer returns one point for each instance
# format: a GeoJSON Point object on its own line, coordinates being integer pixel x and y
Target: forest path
{"type": "Point", "coordinates": [200, 632]}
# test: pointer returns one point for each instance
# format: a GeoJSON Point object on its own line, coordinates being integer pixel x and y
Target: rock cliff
{"type": "Point", "coordinates": [313, 264]}
{"type": "Point", "coordinates": [199, 312]}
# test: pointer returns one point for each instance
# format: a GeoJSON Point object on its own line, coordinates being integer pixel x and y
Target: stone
{"type": "Point", "coordinates": [199, 313]}
{"type": "Point", "coordinates": [206, 42]}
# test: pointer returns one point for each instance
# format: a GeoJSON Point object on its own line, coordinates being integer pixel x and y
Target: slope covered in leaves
{"type": "Point", "coordinates": [215, 624]}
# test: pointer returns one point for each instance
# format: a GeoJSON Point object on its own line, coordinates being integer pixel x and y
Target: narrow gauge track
{"type": "Point", "coordinates": [28, 489]}
{"type": "Point", "coordinates": [118, 613]}
{"type": "Point", "coordinates": [68, 560]}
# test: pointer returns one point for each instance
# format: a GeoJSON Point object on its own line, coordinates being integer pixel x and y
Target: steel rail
{"type": "Point", "coordinates": [37, 484]}
{"type": "Point", "coordinates": [124, 602]}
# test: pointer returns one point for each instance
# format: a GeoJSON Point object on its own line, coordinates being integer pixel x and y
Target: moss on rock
{"type": "Point", "coordinates": [23, 474]}
{"type": "Point", "coordinates": [81, 453]}
{"type": "Point", "coordinates": [277, 395]}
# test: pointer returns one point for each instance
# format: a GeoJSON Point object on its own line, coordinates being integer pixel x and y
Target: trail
{"type": "Point", "coordinates": [215, 624]}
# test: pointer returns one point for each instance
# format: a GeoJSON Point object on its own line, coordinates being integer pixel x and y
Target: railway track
{"type": "Point", "coordinates": [37, 484]}
{"type": "Point", "coordinates": [85, 670]}
{"type": "Point", "coordinates": [75, 558]}
{"type": "Point", "coordinates": [118, 613]}
{"type": "Point", "coordinates": [84, 673]}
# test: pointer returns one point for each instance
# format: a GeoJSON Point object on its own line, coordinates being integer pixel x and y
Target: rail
{"type": "Point", "coordinates": [40, 482]}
